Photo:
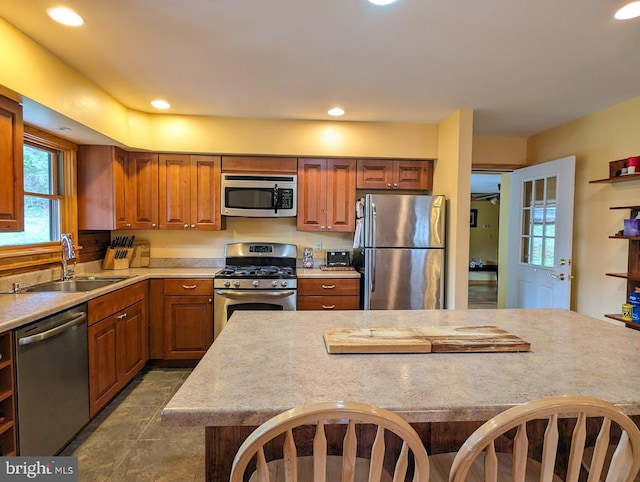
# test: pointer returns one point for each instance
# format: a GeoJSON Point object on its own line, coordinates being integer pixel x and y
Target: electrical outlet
{"type": "Point", "coordinates": [318, 245]}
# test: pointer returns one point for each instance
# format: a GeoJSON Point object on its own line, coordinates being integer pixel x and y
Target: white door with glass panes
{"type": "Point", "coordinates": [540, 235]}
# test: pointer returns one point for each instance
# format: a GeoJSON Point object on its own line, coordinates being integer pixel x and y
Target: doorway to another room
{"type": "Point", "coordinates": [483, 240]}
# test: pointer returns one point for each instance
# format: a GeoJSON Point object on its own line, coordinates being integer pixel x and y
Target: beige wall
{"type": "Point", "coordinates": [499, 151]}
{"type": "Point", "coordinates": [452, 177]}
{"type": "Point", "coordinates": [610, 134]}
{"type": "Point", "coordinates": [483, 240]}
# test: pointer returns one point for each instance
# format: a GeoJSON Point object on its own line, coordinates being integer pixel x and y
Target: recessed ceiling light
{"type": "Point", "coordinates": [336, 112]}
{"type": "Point", "coordinates": [382, 2]}
{"type": "Point", "coordinates": [630, 10]}
{"type": "Point", "coordinates": [160, 104]}
{"type": "Point", "coordinates": [65, 16]}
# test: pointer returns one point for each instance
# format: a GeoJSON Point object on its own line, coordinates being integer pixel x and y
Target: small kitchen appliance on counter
{"type": "Point", "coordinates": [256, 277]}
{"type": "Point", "coordinates": [338, 259]}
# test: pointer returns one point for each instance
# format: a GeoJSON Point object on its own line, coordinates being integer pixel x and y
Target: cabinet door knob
{"type": "Point", "coordinates": [123, 315]}
{"type": "Point", "coordinates": [210, 300]}
{"type": "Point", "coordinates": [153, 225]}
{"type": "Point", "coordinates": [128, 225]}
{"type": "Point", "coordinates": [388, 185]}
{"type": "Point", "coordinates": [395, 184]}
{"type": "Point", "coordinates": [322, 228]}
{"type": "Point", "coordinates": [193, 226]}
{"type": "Point", "coordinates": [186, 226]}
{"type": "Point", "coordinates": [328, 228]}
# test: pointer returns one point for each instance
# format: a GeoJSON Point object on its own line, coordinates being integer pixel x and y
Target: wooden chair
{"type": "Point", "coordinates": [468, 466]}
{"type": "Point", "coordinates": [321, 466]}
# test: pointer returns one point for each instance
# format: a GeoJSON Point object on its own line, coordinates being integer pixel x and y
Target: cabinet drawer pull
{"type": "Point", "coordinates": [328, 287]}
{"type": "Point", "coordinates": [189, 287]}
{"type": "Point", "coordinates": [123, 315]}
{"type": "Point", "coordinates": [330, 307]}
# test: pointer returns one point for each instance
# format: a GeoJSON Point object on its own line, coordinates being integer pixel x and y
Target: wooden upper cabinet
{"type": "Point", "coordinates": [116, 189]}
{"type": "Point", "coordinates": [175, 172]}
{"type": "Point", "coordinates": [142, 190]}
{"type": "Point", "coordinates": [394, 174]}
{"type": "Point", "coordinates": [205, 193]}
{"type": "Point", "coordinates": [102, 190]}
{"type": "Point", "coordinates": [190, 192]}
{"type": "Point", "coordinates": [326, 195]}
{"type": "Point", "coordinates": [11, 166]}
{"type": "Point", "coordinates": [260, 164]}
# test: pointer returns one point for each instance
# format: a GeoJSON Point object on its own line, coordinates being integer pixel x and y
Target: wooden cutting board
{"type": "Point", "coordinates": [422, 339]}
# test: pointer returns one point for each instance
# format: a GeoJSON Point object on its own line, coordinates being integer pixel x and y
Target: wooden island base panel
{"type": "Point", "coordinates": [264, 363]}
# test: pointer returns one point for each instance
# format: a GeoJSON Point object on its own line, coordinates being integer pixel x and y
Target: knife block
{"type": "Point", "coordinates": [110, 261]}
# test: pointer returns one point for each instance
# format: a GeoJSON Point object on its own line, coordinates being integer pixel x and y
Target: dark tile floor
{"type": "Point", "coordinates": [126, 442]}
{"type": "Point", "coordinates": [483, 296]}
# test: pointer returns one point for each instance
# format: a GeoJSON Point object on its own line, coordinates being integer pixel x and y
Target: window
{"type": "Point", "coordinates": [538, 222]}
{"type": "Point", "coordinates": [49, 204]}
{"type": "Point", "coordinates": [42, 197]}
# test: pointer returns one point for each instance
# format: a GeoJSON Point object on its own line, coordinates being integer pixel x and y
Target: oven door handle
{"type": "Point", "coordinates": [243, 295]}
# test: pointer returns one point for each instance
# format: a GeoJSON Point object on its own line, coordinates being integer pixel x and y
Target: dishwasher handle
{"type": "Point", "coordinates": [71, 321]}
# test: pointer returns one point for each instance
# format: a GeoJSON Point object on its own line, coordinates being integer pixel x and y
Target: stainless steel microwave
{"type": "Point", "coordinates": [259, 195]}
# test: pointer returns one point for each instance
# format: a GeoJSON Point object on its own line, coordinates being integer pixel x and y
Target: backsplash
{"type": "Point", "coordinates": [207, 246]}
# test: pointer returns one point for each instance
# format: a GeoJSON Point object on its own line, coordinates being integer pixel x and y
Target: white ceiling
{"type": "Point", "coordinates": [484, 183]}
{"type": "Point", "coordinates": [522, 66]}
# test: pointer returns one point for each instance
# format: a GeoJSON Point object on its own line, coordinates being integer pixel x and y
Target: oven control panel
{"type": "Point", "coordinates": [254, 284]}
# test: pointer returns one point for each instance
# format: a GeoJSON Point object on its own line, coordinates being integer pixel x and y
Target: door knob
{"type": "Point", "coordinates": [557, 276]}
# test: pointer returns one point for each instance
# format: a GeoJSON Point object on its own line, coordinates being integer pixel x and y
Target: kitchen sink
{"type": "Point", "coordinates": [73, 285]}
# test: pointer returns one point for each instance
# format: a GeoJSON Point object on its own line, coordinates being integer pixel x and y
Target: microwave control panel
{"type": "Point", "coordinates": [286, 199]}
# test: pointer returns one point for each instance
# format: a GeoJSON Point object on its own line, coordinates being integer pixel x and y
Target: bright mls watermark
{"type": "Point", "coordinates": [53, 469]}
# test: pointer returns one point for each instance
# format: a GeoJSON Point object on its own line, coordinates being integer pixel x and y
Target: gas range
{"type": "Point", "coordinates": [249, 266]}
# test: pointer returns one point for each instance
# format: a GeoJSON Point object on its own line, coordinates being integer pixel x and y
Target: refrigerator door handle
{"type": "Point", "coordinates": [374, 227]}
{"type": "Point", "coordinates": [373, 270]}
{"type": "Point", "coordinates": [373, 246]}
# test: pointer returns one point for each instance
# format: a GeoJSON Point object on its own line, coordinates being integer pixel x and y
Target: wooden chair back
{"type": "Point", "coordinates": [625, 463]}
{"type": "Point", "coordinates": [350, 413]}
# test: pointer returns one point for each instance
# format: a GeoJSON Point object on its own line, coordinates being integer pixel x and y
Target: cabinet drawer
{"type": "Point", "coordinates": [107, 305]}
{"type": "Point", "coordinates": [328, 303]}
{"type": "Point", "coordinates": [188, 286]}
{"type": "Point", "coordinates": [329, 287]}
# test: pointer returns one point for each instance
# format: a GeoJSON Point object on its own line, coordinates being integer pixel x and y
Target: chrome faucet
{"type": "Point", "coordinates": [69, 259]}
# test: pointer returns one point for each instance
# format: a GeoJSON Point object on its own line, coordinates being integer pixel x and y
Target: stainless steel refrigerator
{"type": "Point", "coordinates": [402, 259]}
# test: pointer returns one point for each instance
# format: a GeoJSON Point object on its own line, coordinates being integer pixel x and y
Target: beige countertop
{"type": "Point", "coordinates": [263, 365]}
{"type": "Point", "coordinates": [319, 273]}
{"type": "Point", "coordinates": [19, 309]}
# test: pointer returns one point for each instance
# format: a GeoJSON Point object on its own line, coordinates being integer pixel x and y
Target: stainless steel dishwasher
{"type": "Point", "coordinates": [52, 378]}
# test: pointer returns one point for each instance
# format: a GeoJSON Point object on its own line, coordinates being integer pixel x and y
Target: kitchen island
{"type": "Point", "coordinates": [268, 362]}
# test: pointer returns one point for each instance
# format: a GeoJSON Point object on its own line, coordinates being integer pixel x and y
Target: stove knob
{"type": "Point", "coordinates": [274, 283]}
{"type": "Point", "coordinates": [236, 283]}
{"type": "Point", "coordinates": [226, 283]}
{"type": "Point", "coordinates": [255, 283]}
{"type": "Point", "coordinates": [283, 283]}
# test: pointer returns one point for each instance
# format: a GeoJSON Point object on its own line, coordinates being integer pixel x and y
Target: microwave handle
{"type": "Point", "coordinates": [276, 196]}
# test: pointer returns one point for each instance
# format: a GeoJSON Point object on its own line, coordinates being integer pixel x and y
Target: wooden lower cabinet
{"type": "Point", "coordinates": [188, 318]}
{"type": "Point", "coordinates": [118, 343]}
{"type": "Point", "coordinates": [328, 294]}
{"type": "Point", "coordinates": [7, 397]}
